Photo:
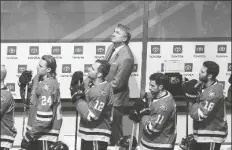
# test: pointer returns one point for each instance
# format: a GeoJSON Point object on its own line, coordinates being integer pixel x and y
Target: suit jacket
{"type": "Point", "coordinates": [121, 68]}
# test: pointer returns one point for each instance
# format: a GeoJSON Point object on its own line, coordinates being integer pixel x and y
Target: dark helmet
{"type": "Point", "coordinates": [59, 145]}
{"type": "Point", "coordinates": [124, 143]}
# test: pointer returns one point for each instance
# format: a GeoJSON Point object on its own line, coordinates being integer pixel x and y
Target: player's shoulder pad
{"type": "Point", "coordinates": [105, 89]}
{"type": "Point", "coordinates": [6, 96]}
{"type": "Point", "coordinates": [167, 103]}
{"type": "Point", "coordinates": [215, 90]}
{"type": "Point", "coordinates": [49, 84]}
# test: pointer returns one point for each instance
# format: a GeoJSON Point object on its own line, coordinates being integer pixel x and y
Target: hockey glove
{"type": "Point", "coordinates": [191, 88]}
{"type": "Point", "coordinates": [124, 142]}
{"type": "Point", "coordinates": [187, 143]}
{"type": "Point", "coordinates": [136, 116]}
{"type": "Point", "coordinates": [25, 78]}
{"type": "Point", "coordinates": [26, 140]}
{"type": "Point", "coordinates": [77, 87]}
{"type": "Point", "coordinates": [59, 145]}
{"type": "Point", "coordinates": [140, 104]}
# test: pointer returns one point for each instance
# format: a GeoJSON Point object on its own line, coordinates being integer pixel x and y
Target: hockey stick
{"type": "Point", "coordinates": [187, 124]}
{"type": "Point", "coordinates": [24, 113]}
{"type": "Point", "coordinates": [25, 109]}
{"type": "Point", "coordinates": [76, 130]}
{"type": "Point", "coordinates": [132, 134]}
{"type": "Point", "coordinates": [77, 126]}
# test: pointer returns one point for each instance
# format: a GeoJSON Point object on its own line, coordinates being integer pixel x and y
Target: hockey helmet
{"type": "Point", "coordinates": [124, 142]}
{"type": "Point", "coordinates": [59, 145]}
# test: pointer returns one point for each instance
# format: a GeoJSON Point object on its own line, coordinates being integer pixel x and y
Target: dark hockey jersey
{"type": "Point", "coordinates": [8, 131]}
{"type": "Point", "coordinates": [45, 116]}
{"type": "Point", "coordinates": [96, 113]}
{"type": "Point", "coordinates": [209, 114]}
{"type": "Point", "coordinates": [159, 128]}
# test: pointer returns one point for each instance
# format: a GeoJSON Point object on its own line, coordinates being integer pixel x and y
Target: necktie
{"type": "Point", "coordinates": [110, 55]}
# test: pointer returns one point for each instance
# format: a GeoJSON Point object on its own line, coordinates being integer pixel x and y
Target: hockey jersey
{"type": "Point", "coordinates": [8, 131]}
{"type": "Point", "coordinates": [96, 113]}
{"type": "Point", "coordinates": [45, 115]}
{"type": "Point", "coordinates": [159, 128]}
{"type": "Point", "coordinates": [209, 115]}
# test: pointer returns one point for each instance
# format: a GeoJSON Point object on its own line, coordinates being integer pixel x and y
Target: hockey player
{"type": "Point", "coordinates": [95, 108]}
{"type": "Point", "coordinates": [45, 118]}
{"type": "Point", "coordinates": [8, 131]}
{"type": "Point", "coordinates": [208, 109]}
{"type": "Point", "coordinates": [159, 127]}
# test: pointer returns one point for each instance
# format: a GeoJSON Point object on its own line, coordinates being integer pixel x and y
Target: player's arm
{"type": "Point", "coordinates": [200, 111]}
{"type": "Point", "coordinates": [44, 112]}
{"type": "Point", "coordinates": [155, 123]}
{"type": "Point", "coordinates": [122, 75]}
{"type": "Point", "coordinates": [92, 110]}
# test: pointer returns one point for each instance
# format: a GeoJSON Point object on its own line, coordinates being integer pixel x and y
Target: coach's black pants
{"type": "Point", "coordinates": [207, 146]}
{"type": "Point", "coordinates": [40, 145]}
{"type": "Point", "coordinates": [117, 129]}
{"type": "Point", "coordinates": [93, 145]}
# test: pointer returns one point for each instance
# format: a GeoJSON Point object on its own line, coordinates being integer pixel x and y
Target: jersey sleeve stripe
{"type": "Point", "coordinates": [45, 113]}
{"type": "Point", "coordinates": [91, 116]}
{"type": "Point", "coordinates": [209, 132]}
{"type": "Point", "coordinates": [201, 115]}
{"type": "Point", "coordinates": [7, 137]}
{"type": "Point", "coordinates": [95, 130]}
{"type": "Point", "coordinates": [43, 119]}
{"type": "Point", "coordinates": [151, 128]}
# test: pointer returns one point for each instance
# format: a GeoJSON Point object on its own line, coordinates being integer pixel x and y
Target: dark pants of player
{"type": "Point", "coordinates": [207, 146]}
{"type": "Point", "coordinates": [93, 145]}
{"type": "Point", "coordinates": [40, 145]}
{"type": "Point", "coordinates": [117, 131]}
{"type": "Point", "coordinates": [3, 148]}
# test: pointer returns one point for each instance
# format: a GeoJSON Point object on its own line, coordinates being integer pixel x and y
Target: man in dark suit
{"type": "Point", "coordinates": [120, 57]}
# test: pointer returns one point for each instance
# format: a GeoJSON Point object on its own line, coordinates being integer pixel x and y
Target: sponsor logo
{"type": "Point", "coordinates": [66, 68]}
{"type": "Point", "coordinates": [229, 67]}
{"type": "Point", "coordinates": [177, 49]}
{"type": "Point", "coordinates": [100, 50]}
{"type": "Point", "coordinates": [78, 50]}
{"type": "Point", "coordinates": [200, 49]}
{"type": "Point", "coordinates": [188, 67]}
{"type": "Point", "coordinates": [155, 49]}
{"type": "Point", "coordinates": [34, 50]}
{"type": "Point", "coordinates": [86, 67]}
{"type": "Point", "coordinates": [11, 50]}
{"type": "Point", "coordinates": [56, 50]}
{"type": "Point", "coordinates": [22, 68]}
{"type": "Point", "coordinates": [135, 68]}
{"type": "Point", "coordinates": [221, 48]}
{"type": "Point", "coordinates": [11, 86]}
